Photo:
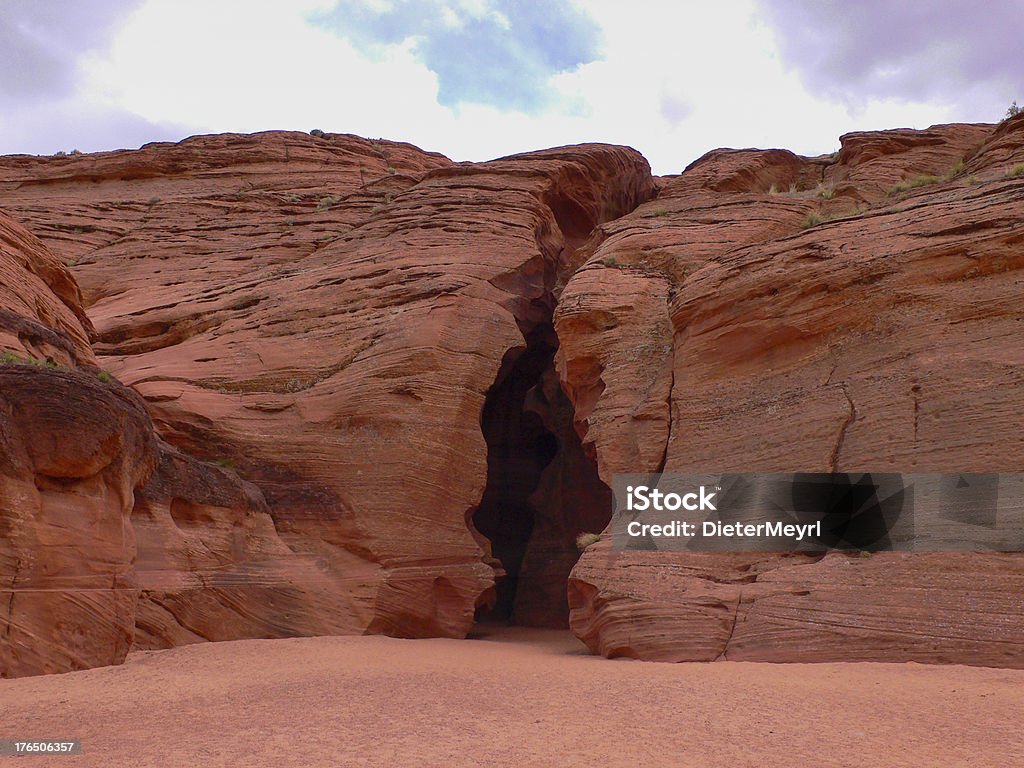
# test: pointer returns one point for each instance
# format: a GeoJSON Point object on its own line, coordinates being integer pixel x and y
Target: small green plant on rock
{"type": "Point", "coordinates": [610, 261]}
{"type": "Point", "coordinates": [584, 540]}
{"type": "Point", "coordinates": [812, 220]}
{"type": "Point", "coordinates": [826, 191]}
{"type": "Point", "coordinates": [13, 359]}
{"type": "Point", "coordinates": [657, 213]}
{"type": "Point", "coordinates": [105, 377]}
{"type": "Point", "coordinates": [1016, 172]}
{"type": "Point", "coordinates": [914, 183]}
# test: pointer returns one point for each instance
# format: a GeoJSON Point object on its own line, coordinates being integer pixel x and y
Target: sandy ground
{"type": "Point", "coordinates": [511, 698]}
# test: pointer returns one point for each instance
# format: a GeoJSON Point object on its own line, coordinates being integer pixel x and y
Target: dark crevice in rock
{"type": "Point", "coordinates": [851, 417]}
{"type": "Point", "coordinates": [542, 489]}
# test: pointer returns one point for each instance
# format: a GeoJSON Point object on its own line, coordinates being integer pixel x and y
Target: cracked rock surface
{"type": "Point", "coordinates": [768, 313]}
{"type": "Point", "coordinates": [307, 329]}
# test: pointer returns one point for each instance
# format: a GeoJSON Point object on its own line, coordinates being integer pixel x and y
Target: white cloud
{"type": "Point", "coordinates": [674, 80]}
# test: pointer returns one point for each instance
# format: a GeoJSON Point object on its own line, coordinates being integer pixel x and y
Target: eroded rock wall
{"type": "Point", "coordinates": [72, 449]}
{"type": "Point", "coordinates": [322, 316]}
{"type": "Point", "coordinates": [309, 328]}
{"type": "Point", "coordinates": [856, 313]}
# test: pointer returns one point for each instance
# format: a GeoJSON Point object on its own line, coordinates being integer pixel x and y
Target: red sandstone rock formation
{"type": "Point", "coordinates": [83, 477]}
{"type": "Point", "coordinates": [364, 337]}
{"type": "Point", "coordinates": [72, 448]}
{"type": "Point", "coordinates": [887, 339]}
{"type": "Point", "coordinates": [329, 329]}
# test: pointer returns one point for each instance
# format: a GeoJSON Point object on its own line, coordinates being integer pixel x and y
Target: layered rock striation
{"type": "Point", "coordinates": [351, 386]}
{"type": "Point", "coordinates": [329, 347]}
{"type": "Point", "coordinates": [855, 313]}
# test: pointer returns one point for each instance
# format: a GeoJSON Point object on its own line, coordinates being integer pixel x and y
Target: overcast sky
{"type": "Point", "coordinates": [476, 79]}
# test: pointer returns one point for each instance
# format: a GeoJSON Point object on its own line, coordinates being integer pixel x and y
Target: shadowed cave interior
{"type": "Point", "coordinates": [542, 489]}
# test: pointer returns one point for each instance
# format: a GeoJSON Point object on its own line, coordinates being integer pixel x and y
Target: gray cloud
{"type": "Point", "coordinates": [958, 51]}
{"type": "Point", "coordinates": [41, 41]}
{"type": "Point", "coordinates": [482, 59]}
{"type": "Point", "coordinates": [66, 124]}
{"type": "Point", "coordinates": [41, 44]}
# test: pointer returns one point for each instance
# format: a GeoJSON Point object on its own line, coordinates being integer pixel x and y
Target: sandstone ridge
{"type": "Point", "coordinates": [281, 384]}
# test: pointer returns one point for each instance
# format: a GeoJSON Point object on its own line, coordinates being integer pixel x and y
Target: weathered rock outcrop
{"type": "Point", "coordinates": [325, 316]}
{"type": "Point", "coordinates": [364, 381]}
{"type": "Point", "coordinates": [72, 449]}
{"type": "Point", "coordinates": [777, 338]}
{"type": "Point", "coordinates": [211, 566]}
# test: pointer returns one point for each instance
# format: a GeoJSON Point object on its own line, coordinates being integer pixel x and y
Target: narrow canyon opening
{"type": "Point", "coordinates": [542, 489]}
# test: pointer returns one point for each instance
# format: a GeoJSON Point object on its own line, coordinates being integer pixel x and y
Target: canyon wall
{"type": "Point", "coordinates": [772, 313]}
{"type": "Point", "coordinates": [314, 324]}
{"type": "Point", "coordinates": [323, 384]}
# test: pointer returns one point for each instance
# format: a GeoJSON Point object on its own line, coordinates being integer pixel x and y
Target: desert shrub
{"type": "Point", "coordinates": [812, 220]}
{"type": "Point", "coordinates": [1013, 110]}
{"type": "Point", "coordinates": [657, 213]}
{"type": "Point", "coordinates": [10, 357]}
{"type": "Point", "coordinates": [584, 540]}
{"type": "Point", "coordinates": [317, 132]}
{"type": "Point", "coordinates": [917, 181]}
{"type": "Point", "coordinates": [956, 170]}
{"type": "Point", "coordinates": [1016, 172]}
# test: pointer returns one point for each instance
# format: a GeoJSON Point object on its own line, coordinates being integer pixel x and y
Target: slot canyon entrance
{"type": "Point", "coordinates": [542, 489]}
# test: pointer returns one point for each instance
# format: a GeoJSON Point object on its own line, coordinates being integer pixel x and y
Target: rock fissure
{"type": "Point", "coordinates": [668, 407]}
{"type": "Point", "coordinates": [851, 417]}
{"type": "Point", "coordinates": [542, 491]}
{"type": "Point", "coordinates": [10, 601]}
{"type": "Point", "coordinates": [732, 628]}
